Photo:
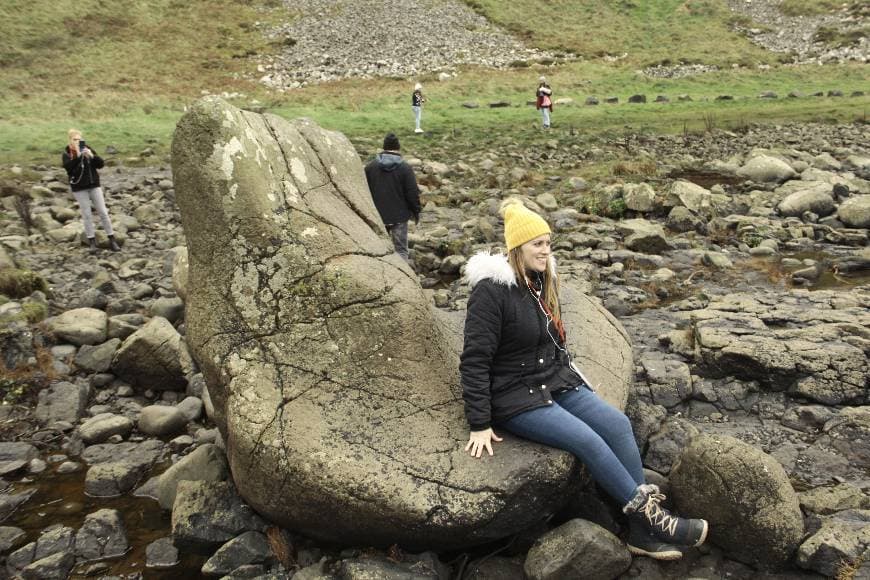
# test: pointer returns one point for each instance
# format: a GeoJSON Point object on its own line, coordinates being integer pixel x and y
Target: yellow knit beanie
{"type": "Point", "coordinates": [521, 224]}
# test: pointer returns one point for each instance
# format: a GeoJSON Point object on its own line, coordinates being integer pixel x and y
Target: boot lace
{"type": "Point", "coordinates": [657, 515]}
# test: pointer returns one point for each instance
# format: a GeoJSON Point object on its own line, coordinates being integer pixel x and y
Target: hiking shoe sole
{"type": "Point", "coordinates": [665, 555]}
{"type": "Point", "coordinates": [703, 534]}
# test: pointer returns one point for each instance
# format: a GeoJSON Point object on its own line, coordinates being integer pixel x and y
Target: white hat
{"type": "Point", "coordinates": [543, 79]}
{"type": "Point", "coordinates": [418, 87]}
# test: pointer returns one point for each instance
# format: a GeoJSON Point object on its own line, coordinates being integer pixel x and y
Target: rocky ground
{"type": "Point", "coordinates": [332, 40]}
{"type": "Point", "coordinates": [738, 264]}
{"type": "Point", "coordinates": [805, 36]}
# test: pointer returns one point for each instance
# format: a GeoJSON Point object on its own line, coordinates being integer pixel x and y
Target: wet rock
{"type": "Point", "coordinates": [159, 420]}
{"type": "Point", "coordinates": [99, 428]}
{"type": "Point", "coordinates": [15, 456]}
{"type": "Point", "coordinates": [577, 549]}
{"type": "Point", "coordinates": [828, 500]}
{"type": "Point", "coordinates": [842, 538]}
{"type": "Point", "coordinates": [9, 502]}
{"type": "Point", "coordinates": [80, 326]}
{"type": "Point", "coordinates": [54, 567]}
{"type": "Point", "coordinates": [154, 357]}
{"type": "Point", "coordinates": [248, 548]}
{"type": "Point", "coordinates": [161, 553]}
{"type": "Point", "coordinates": [855, 212]}
{"type": "Point", "coordinates": [208, 514]}
{"type": "Point", "coordinates": [10, 538]}
{"type": "Point", "coordinates": [764, 168]}
{"type": "Point", "coordinates": [97, 359]}
{"type": "Point", "coordinates": [146, 453]}
{"type": "Point", "coordinates": [206, 463]}
{"type": "Point", "coordinates": [55, 540]}
{"type": "Point", "coordinates": [370, 568]}
{"type": "Point", "coordinates": [496, 568]}
{"type": "Point", "coordinates": [113, 479]}
{"type": "Point", "coordinates": [102, 535]}
{"type": "Point", "coordinates": [744, 494]}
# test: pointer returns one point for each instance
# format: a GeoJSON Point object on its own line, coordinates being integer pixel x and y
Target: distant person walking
{"type": "Point", "coordinates": [395, 192]}
{"type": "Point", "coordinates": [417, 101]}
{"type": "Point", "coordinates": [82, 165]}
{"type": "Point", "coordinates": [544, 101]}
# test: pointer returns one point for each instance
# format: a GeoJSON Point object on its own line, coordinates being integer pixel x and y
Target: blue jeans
{"type": "Point", "coordinates": [399, 234]}
{"type": "Point", "coordinates": [418, 114]}
{"type": "Point", "coordinates": [599, 435]}
{"type": "Point", "coordinates": [545, 117]}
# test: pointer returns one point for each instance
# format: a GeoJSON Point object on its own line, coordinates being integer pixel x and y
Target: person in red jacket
{"type": "Point", "coordinates": [82, 166]}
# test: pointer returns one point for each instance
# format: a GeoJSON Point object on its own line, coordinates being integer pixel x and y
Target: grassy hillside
{"type": "Point", "coordinates": [124, 71]}
{"type": "Point", "coordinates": [648, 32]}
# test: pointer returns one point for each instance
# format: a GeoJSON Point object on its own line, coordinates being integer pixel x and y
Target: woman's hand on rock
{"type": "Point", "coordinates": [478, 440]}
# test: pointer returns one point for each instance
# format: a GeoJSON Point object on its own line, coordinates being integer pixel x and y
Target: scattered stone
{"type": "Point", "coordinates": [62, 401]}
{"type": "Point", "coordinates": [208, 514]}
{"type": "Point", "coordinates": [159, 420]}
{"type": "Point", "coordinates": [99, 428]}
{"type": "Point", "coordinates": [80, 326]}
{"type": "Point", "coordinates": [154, 357]}
{"type": "Point", "coordinates": [764, 168]}
{"type": "Point", "coordinates": [205, 463]}
{"type": "Point", "coordinates": [248, 548]}
{"type": "Point", "coordinates": [102, 535]}
{"type": "Point", "coordinates": [577, 549]}
{"type": "Point", "coordinates": [161, 553]}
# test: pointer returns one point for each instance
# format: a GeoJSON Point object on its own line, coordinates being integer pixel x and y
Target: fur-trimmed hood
{"type": "Point", "coordinates": [495, 267]}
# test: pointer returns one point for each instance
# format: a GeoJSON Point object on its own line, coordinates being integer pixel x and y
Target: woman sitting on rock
{"type": "Point", "coordinates": [82, 165]}
{"type": "Point", "coordinates": [517, 374]}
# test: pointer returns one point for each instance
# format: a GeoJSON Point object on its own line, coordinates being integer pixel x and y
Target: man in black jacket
{"type": "Point", "coordinates": [395, 192]}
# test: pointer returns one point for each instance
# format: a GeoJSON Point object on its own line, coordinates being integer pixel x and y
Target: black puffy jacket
{"type": "Point", "coordinates": [82, 172]}
{"type": "Point", "coordinates": [509, 363]}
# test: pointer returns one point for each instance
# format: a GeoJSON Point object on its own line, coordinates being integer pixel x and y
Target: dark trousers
{"type": "Point", "coordinates": [399, 235]}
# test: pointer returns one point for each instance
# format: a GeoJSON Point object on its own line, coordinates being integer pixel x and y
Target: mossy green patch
{"type": "Point", "coordinates": [16, 283]}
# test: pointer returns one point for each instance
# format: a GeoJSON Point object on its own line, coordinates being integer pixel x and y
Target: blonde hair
{"type": "Point", "coordinates": [550, 287]}
{"type": "Point", "coordinates": [73, 146]}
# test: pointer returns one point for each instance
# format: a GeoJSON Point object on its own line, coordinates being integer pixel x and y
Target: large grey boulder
{"type": "Point", "coordinates": [154, 357]}
{"type": "Point", "coordinates": [744, 494]}
{"type": "Point", "coordinates": [333, 383]}
{"type": "Point", "coordinates": [643, 236]}
{"type": "Point", "coordinates": [855, 212]}
{"type": "Point", "coordinates": [159, 420]}
{"type": "Point", "coordinates": [80, 326]}
{"type": "Point", "coordinates": [764, 168]}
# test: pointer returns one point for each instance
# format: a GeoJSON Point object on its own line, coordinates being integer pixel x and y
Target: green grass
{"type": "Point", "coordinates": [646, 31]}
{"type": "Point", "coordinates": [123, 74]}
